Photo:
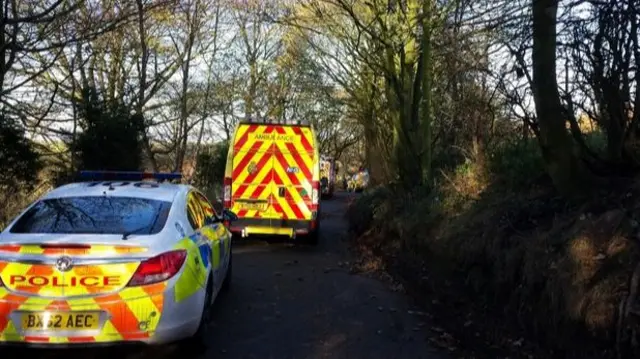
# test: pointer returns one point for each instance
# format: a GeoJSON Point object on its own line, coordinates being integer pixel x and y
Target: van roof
{"type": "Point", "coordinates": [266, 121]}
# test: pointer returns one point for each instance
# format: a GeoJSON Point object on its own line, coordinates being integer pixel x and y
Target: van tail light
{"type": "Point", "coordinates": [315, 195]}
{"type": "Point", "coordinates": [159, 268]}
{"type": "Point", "coordinates": [227, 192]}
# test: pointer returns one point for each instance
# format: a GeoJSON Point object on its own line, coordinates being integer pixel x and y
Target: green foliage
{"type": "Point", "coordinates": [110, 137]}
{"type": "Point", "coordinates": [367, 208]}
{"type": "Point", "coordinates": [210, 168]}
{"type": "Point", "coordinates": [19, 161]}
{"type": "Point", "coordinates": [21, 165]}
{"type": "Point", "coordinates": [596, 141]}
{"type": "Point", "coordinates": [517, 163]}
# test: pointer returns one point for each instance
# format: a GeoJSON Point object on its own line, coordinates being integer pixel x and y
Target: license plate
{"type": "Point", "coordinates": [253, 206]}
{"type": "Point", "coordinates": [61, 321]}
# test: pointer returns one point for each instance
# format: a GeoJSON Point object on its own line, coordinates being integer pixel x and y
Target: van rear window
{"type": "Point", "coordinates": [94, 215]}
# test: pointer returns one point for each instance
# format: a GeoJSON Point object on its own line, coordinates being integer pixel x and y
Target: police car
{"type": "Point", "coordinates": [114, 258]}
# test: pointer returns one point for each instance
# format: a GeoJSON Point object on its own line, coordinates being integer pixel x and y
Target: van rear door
{"type": "Point", "coordinates": [272, 173]}
{"type": "Point", "coordinates": [252, 171]}
{"type": "Point", "coordinates": [293, 163]}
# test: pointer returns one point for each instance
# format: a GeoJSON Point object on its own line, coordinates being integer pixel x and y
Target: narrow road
{"type": "Point", "coordinates": [299, 302]}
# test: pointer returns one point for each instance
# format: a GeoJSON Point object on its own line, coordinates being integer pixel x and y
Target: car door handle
{"type": "Point", "coordinates": [281, 192]}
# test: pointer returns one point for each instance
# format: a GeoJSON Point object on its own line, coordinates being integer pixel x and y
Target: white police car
{"type": "Point", "coordinates": [114, 259]}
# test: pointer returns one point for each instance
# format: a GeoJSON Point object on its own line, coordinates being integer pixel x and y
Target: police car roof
{"type": "Point", "coordinates": [159, 191]}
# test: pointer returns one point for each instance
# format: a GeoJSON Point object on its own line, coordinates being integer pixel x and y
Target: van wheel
{"type": "Point", "coordinates": [313, 237]}
{"type": "Point", "coordinates": [199, 342]}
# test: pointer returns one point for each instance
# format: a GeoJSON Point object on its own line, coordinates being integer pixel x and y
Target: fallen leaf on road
{"type": "Point", "coordinates": [518, 343]}
{"type": "Point", "coordinates": [414, 312]}
{"type": "Point", "coordinates": [445, 340]}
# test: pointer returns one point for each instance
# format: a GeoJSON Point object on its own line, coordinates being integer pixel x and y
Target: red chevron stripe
{"type": "Point", "coordinates": [292, 177]}
{"type": "Point", "coordinates": [246, 158]}
{"type": "Point", "coordinates": [303, 139]}
{"type": "Point", "coordinates": [263, 185]}
{"type": "Point", "coordinates": [242, 140]}
{"type": "Point", "coordinates": [239, 191]}
{"type": "Point", "coordinates": [284, 164]}
{"type": "Point", "coordinates": [251, 177]}
{"type": "Point", "coordinates": [296, 210]}
{"type": "Point", "coordinates": [296, 157]}
{"type": "Point", "coordinates": [276, 179]}
{"type": "Point", "coordinates": [242, 213]}
{"type": "Point", "coordinates": [292, 205]}
{"type": "Point", "coordinates": [281, 130]}
{"type": "Point", "coordinates": [278, 208]}
{"type": "Point", "coordinates": [260, 189]}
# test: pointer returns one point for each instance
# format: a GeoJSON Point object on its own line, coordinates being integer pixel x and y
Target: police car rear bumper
{"type": "Point", "coordinates": [160, 337]}
{"type": "Point", "coordinates": [20, 345]}
{"type": "Point", "coordinates": [176, 321]}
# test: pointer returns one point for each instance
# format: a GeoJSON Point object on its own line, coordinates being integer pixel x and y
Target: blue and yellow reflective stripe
{"type": "Point", "coordinates": [194, 275]}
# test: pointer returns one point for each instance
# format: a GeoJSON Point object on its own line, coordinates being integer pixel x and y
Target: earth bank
{"type": "Point", "coordinates": [519, 275]}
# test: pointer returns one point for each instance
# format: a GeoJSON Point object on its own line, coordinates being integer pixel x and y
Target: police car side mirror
{"type": "Point", "coordinates": [228, 215]}
{"type": "Point", "coordinates": [210, 220]}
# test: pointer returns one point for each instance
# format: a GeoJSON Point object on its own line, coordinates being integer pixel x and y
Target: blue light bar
{"type": "Point", "coordinates": [128, 175]}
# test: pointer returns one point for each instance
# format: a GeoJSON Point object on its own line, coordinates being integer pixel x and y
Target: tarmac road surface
{"type": "Point", "coordinates": [296, 302]}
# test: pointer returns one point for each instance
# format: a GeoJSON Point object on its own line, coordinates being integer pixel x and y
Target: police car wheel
{"type": "Point", "coordinates": [200, 340]}
{"type": "Point", "coordinates": [226, 284]}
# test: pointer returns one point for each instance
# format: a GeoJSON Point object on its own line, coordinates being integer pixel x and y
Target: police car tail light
{"type": "Point", "coordinates": [227, 192]}
{"type": "Point", "coordinates": [159, 268]}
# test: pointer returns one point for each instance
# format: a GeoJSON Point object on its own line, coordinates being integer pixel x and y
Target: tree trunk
{"type": "Point", "coordinates": [427, 96]}
{"type": "Point", "coordinates": [564, 165]}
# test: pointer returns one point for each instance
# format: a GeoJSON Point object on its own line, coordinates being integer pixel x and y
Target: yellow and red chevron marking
{"type": "Point", "coordinates": [272, 149]}
{"type": "Point", "coordinates": [248, 149]}
{"type": "Point", "coordinates": [126, 309]}
{"type": "Point", "coordinates": [81, 280]}
{"type": "Point", "coordinates": [70, 250]}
